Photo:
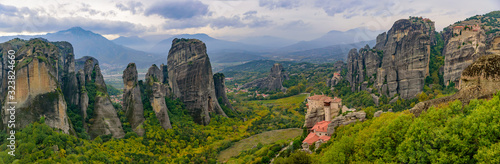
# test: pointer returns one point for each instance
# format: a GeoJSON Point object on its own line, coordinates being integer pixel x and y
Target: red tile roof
{"type": "Point", "coordinates": [325, 98]}
{"type": "Point", "coordinates": [337, 100]}
{"type": "Point", "coordinates": [324, 138]}
{"type": "Point", "coordinates": [311, 138]}
{"type": "Point", "coordinates": [336, 74]}
{"type": "Point", "coordinates": [458, 27]}
{"type": "Point", "coordinates": [317, 97]}
{"type": "Point", "coordinates": [321, 126]}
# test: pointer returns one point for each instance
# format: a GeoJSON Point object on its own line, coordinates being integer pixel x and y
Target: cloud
{"type": "Point", "coordinates": [37, 20]}
{"type": "Point", "coordinates": [275, 4]}
{"type": "Point", "coordinates": [178, 9]}
{"type": "Point", "coordinates": [248, 19]}
{"type": "Point", "coordinates": [351, 8]}
{"type": "Point", "coordinates": [256, 21]}
{"type": "Point", "coordinates": [133, 7]}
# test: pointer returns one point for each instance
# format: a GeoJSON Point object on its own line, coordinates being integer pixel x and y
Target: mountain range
{"type": "Point", "coordinates": [114, 57]}
{"type": "Point", "coordinates": [117, 53]}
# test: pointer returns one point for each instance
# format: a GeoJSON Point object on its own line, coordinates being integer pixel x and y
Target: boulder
{"type": "Point", "coordinates": [349, 118]}
{"type": "Point", "coordinates": [375, 98]}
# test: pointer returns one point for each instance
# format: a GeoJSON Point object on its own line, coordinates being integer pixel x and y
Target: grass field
{"type": "Point", "coordinates": [263, 138]}
{"type": "Point", "coordinates": [288, 102]}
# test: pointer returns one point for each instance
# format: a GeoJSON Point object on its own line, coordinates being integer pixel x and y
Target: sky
{"type": "Point", "coordinates": [227, 19]}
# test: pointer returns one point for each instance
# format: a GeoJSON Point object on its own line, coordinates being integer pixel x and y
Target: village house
{"type": "Point", "coordinates": [457, 30]}
{"type": "Point", "coordinates": [330, 107]}
{"type": "Point", "coordinates": [476, 28]}
{"type": "Point", "coordinates": [319, 132]}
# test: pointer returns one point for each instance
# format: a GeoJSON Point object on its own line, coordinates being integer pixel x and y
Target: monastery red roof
{"type": "Point", "coordinates": [311, 138]}
{"type": "Point", "coordinates": [321, 126]}
{"type": "Point", "coordinates": [324, 138]}
{"type": "Point", "coordinates": [325, 98]}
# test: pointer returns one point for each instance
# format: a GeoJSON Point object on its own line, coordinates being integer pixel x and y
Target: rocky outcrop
{"type": "Point", "coordinates": [460, 51]}
{"type": "Point", "coordinates": [220, 90]}
{"type": "Point", "coordinates": [159, 90]}
{"type": "Point", "coordinates": [479, 80]}
{"type": "Point", "coordinates": [132, 100]}
{"type": "Point", "coordinates": [349, 118]}
{"type": "Point", "coordinates": [100, 118]}
{"type": "Point", "coordinates": [362, 66]}
{"type": "Point", "coordinates": [273, 82]}
{"type": "Point", "coordinates": [66, 72]}
{"type": "Point", "coordinates": [375, 98]}
{"type": "Point", "coordinates": [399, 62]}
{"type": "Point", "coordinates": [191, 79]}
{"type": "Point", "coordinates": [37, 91]}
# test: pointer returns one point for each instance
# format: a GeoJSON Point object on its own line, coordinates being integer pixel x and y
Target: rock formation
{"type": "Point", "coordinates": [479, 80]}
{"type": "Point", "coordinates": [132, 100]}
{"type": "Point", "coordinates": [349, 118]}
{"type": "Point", "coordinates": [460, 51]}
{"type": "Point", "coordinates": [399, 62]}
{"type": "Point", "coordinates": [220, 90]}
{"type": "Point", "coordinates": [100, 118]}
{"type": "Point", "coordinates": [159, 89]}
{"type": "Point", "coordinates": [273, 82]}
{"type": "Point", "coordinates": [190, 76]}
{"type": "Point", "coordinates": [37, 88]}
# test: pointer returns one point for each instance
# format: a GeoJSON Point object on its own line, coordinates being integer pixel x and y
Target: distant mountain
{"type": "Point", "coordinates": [334, 38]}
{"type": "Point", "coordinates": [212, 44]}
{"type": "Point", "coordinates": [261, 66]}
{"type": "Point", "coordinates": [133, 42]}
{"type": "Point", "coordinates": [110, 55]}
{"type": "Point", "coordinates": [268, 41]}
{"type": "Point", "coordinates": [320, 55]}
{"type": "Point", "coordinates": [218, 50]}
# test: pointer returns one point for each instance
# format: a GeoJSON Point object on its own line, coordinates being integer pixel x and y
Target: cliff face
{"type": "Point", "coordinates": [479, 80]}
{"type": "Point", "coordinates": [132, 100]}
{"type": "Point", "coordinates": [399, 62]}
{"type": "Point", "coordinates": [460, 51]}
{"type": "Point", "coordinates": [466, 41]}
{"type": "Point", "coordinates": [272, 82]}
{"type": "Point", "coordinates": [191, 78]}
{"type": "Point", "coordinates": [94, 98]}
{"type": "Point", "coordinates": [159, 89]}
{"type": "Point", "coordinates": [220, 90]}
{"type": "Point", "coordinates": [37, 91]}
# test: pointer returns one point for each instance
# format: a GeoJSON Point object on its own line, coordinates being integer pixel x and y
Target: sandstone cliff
{"type": "Point", "coordinates": [399, 62]}
{"type": "Point", "coordinates": [100, 117]}
{"type": "Point", "coordinates": [37, 91]}
{"type": "Point", "coordinates": [479, 80]}
{"type": "Point", "coordinates": [466, 41]}
{"type": "Point", "coordinates": [154, 81]}
{"type": "Point", "coordinates": [191, 78]}
{"type": "Point", "coordinates": [273, 82]}
{"type": "Point", "coordinates": [220, 90]}
{"type": "Point", "coordinates": [132, 100]}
